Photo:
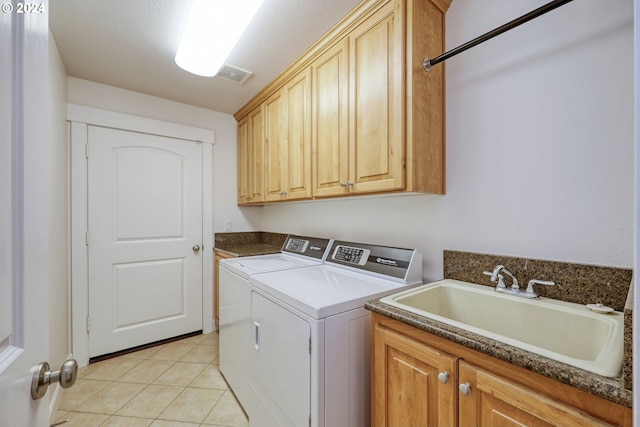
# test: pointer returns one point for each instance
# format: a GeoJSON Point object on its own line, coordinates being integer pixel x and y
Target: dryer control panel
{"type": "Point", "coordinates": [390, 262]}
{"type": "Point", "coordinates": [351, 255]}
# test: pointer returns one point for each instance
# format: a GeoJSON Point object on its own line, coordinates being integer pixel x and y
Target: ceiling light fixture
{"type": "Point", "coordinates": [213, 29]}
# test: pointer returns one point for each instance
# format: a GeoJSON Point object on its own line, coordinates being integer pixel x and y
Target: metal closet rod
{"type": "Point", "coordinates": [428, 63]}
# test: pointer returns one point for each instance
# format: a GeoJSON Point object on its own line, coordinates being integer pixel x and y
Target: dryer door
{"type": "Point", "coordinates": [280, 375]}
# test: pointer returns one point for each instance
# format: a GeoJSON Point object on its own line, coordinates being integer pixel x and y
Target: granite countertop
{"type": "Point", "coordinates": [249, 243]}
{"type": "Point", "coordinates": [249, 249]}
{"type": "Point", "coordinates": [608, 388]}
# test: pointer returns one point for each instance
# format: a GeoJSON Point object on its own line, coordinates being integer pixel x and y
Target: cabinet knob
{"type": "Point", "coordinates": [343, 184]}
{"type": "Point", "coordinates": [443, 377]}
{"type": "Point", "coordinates": [465, 389]}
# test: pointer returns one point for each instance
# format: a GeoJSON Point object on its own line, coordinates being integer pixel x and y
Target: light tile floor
{"type": "Point", "coordinates": [172, 385]}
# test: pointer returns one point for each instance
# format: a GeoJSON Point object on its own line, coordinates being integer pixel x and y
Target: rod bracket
{"type": "Point", "coordinates": [426, 64]}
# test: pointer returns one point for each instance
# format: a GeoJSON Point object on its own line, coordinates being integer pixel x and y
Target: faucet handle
{"type": "Point", "coordinates": [537, 282]}
{"type": "Point", "coordinates": [499, 279]}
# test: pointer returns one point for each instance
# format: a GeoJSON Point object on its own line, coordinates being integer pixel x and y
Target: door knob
{"type": "Point", "coordinates": [196, 248]}
{"type": "Point", "coordinates": [43, 377]}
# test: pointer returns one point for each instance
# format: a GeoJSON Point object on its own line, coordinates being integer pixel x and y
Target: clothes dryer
{"type": "Point", "coordinates": [310, 341]}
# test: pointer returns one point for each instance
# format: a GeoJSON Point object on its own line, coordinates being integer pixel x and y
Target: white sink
{"type": "Point", "coordinates": [562, 331]}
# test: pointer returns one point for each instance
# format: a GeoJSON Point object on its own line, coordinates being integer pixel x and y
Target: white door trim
{"type": "Point", "coordinates": [111, 119]}
{"type": "Point", "coordinates": [80, 117]}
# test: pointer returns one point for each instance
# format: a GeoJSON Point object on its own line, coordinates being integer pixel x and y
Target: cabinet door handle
{"type": "Point", "coordinates": [443, 377]}
{"type": "Point", "coordinates": [465, 389]}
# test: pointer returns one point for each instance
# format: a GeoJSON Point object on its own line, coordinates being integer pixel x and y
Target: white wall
{"type": "Point", "coordinates": [540, 145]}
{"type": "Point", "coordinates": [110, 98]}
{"type": "Point", "coordinates": [57, 182]}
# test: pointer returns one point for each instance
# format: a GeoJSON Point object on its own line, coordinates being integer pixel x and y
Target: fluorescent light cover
{"type": "Point", "coordinates": [213, 29]}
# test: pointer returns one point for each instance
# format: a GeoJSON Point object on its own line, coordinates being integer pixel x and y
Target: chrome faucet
{"type": "Point", "coordinates": [498, 278]}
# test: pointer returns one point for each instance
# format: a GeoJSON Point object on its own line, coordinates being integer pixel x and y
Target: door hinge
{"type": "Point", "coordinates": [88, 324]}
{"type": "Point", "coordinates": [86, 238]}
{"type": "Point", "coordinates": [309, 345]}
{"type": "Point", "coordinates": [86, 151]}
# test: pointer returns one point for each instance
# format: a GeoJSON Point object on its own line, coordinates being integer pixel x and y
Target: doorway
{"type": "Point", "coordinates": [142, 233]}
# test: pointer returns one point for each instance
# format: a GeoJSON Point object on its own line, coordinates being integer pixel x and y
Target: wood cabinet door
{"type": "Point", "coordinates": [377, 151]}
{"type": "Point", "coordinates": [406, 387]}
{"type": "Point", "coordinates": [243, 158]}
{"type": "Point", "coordinates": [275, 155]}
{"type": "Point", "coordinates": [255, 153]}
{"type": "Point", "coordinates": [250, 158]}
{"type": "Point", "coordinates": [330, 123]}
{"type": "Point", "coordinates": [497, 402]}
{"type": "Point", "coordinates": [297, 170]}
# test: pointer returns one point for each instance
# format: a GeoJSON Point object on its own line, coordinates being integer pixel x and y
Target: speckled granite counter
{"type": "Point", "coordinates": [249, 243]}
{"type": "Point", "coordinates": [577, 281]}
{"type": "Point", "coordinates": [608, 388]}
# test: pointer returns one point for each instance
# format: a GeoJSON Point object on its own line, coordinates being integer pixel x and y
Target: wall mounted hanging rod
{"type": "Point", "coordinates": [428, 63]}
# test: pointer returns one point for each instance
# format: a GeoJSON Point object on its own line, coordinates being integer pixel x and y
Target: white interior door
{"type": "Point", "coordinates": [24, 220]}
{"type": "Point", "coordinates": [144, 239]}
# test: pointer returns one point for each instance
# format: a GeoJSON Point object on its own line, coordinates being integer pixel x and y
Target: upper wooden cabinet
{"type": "Point", "coordinates": [330, 121]}
{"type": "Point", "coordinates": [377, 149]}
{"type": "Point", "coordinates": [362, 100]}
{"type": "Point", "coordinates": [251, 158]}
{"type": "Point", "coordinates": [288, 141]}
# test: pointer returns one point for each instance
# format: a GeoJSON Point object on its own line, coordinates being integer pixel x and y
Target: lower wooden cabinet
{"type": "Point", "coordinates": [493, 401]}
{"type": "Point", "coordinates": [414, 383]}
{"type": "Point", "coordinates": [422, 380]}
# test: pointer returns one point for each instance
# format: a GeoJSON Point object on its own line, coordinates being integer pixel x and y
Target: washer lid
{"type": "Point", "coordinates": [246, 266]}
{"type": "Point", "coordinates": [323, 291]}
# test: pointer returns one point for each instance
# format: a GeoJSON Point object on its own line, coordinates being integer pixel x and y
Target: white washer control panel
{"type": "Point", "coordinates": [312, 247]}
{"type": "Point", "coordinates": [297, 245]}
{"type": "Point", "coordinates": [351, 255]}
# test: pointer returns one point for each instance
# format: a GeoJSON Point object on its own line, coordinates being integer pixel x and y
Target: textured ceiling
{"type": "Point", "coordinates": [131, 44]}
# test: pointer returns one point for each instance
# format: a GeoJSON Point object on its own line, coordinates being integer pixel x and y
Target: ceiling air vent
{"type": "Point", "coordinates": [233, 74]}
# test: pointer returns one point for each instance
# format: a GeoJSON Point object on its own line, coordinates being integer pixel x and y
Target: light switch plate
{"type": "Point", "coordinates": [228, 225]}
